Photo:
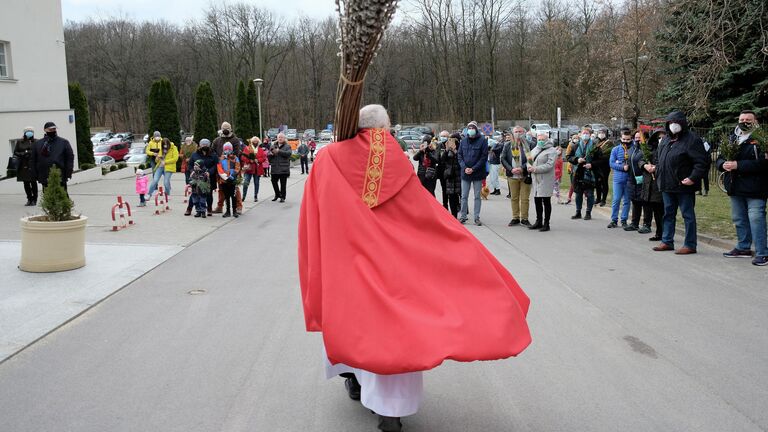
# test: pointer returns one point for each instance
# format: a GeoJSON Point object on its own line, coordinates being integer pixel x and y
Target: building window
{"type": "Point", "coordinates": [4, 61]}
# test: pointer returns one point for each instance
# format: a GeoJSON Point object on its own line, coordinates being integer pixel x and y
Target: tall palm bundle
{"type": "Point", "coordinates": [361, 26]}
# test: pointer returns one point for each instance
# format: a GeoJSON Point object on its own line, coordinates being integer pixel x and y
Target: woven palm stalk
{"type": "Point", "coordinates": [361, 27]}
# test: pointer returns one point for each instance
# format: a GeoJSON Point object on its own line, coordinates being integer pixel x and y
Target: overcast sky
{"type": "Point", "coordinates": [178, 11]}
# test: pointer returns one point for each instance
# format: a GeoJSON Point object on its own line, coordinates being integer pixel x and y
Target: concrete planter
{"type": "Point", "coordinates": [52, 246]}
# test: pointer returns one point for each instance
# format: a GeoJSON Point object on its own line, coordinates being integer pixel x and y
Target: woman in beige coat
{"type": "Point", "coordinates": [542, 169]}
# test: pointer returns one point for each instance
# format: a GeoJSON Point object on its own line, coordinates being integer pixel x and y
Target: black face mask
{"type": "Point", "coordinates": [204, 150]}
{"type": "Point", "coordinates": [745, 127]}
{"type": "Point", "coordinates": [51, 134]}
{"type": "Point", "coordinates": [225, 132]}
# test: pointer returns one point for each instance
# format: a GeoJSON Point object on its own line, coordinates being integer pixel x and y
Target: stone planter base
{"type": "Point", "coordinates": [52, 246]}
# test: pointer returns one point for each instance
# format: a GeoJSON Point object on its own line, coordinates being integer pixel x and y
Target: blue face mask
{"type": "Point", "coordinates": [443, 139]}
{"type": "Point", "coordinates": [541, 143]}
{"type": "Point", "coordinates": [28, 134]}
{"type": "Point", "coordinates": [471, 132]}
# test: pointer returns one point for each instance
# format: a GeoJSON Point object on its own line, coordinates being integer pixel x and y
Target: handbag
{"type": "Point", "coordinates": [13, 163]}
{"type": "Point", "coordinates": [429, 173]}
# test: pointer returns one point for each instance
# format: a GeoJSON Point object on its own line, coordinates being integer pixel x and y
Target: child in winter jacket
{"type": "Point", "coordinates": [199, 181]}
{"type": "Point", "coordinates": [142, 186]}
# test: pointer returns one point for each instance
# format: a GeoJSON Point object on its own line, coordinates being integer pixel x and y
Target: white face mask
{"type": "Point", "coordinates": [601, 136]}
{"type": "Point", "coordinates": [675, 128]}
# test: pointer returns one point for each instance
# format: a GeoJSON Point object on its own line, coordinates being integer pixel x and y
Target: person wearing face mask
{"type": "Point", "coordinates": [52, 150]}
{"type": "Point", "coordinates": [514, 158]}
{"type": "Point", "coordinates": [280, 158]}
{"type": "Point", "coordinates": [473, 155]}
{"type": "Point", "coordinates": [746, 181]}
{"type": "Point", "coordinates": [602, 165]}
{"type": "Point", "coordinates": [569, 151]}
{"type": "Point", "coordinates": [635, 181]}
{"type": "Point", "coordinates": [22, 152]}
{"type": "Point", "coordinates": [682, 164]}
{"type": "Point", "coordinates": [154, 147]}
{"type": "Point", "coordinates": [165, 166]}
{"type": "Point", "coordinates": [228, 136]}
{"type": "Point", "coordinates": [619, 162]}
{"type": "Point", "coordinates": [187, 149]}
{"type": "Point", "coordinates": [209, 162]}
{"type": "Point", "coordinates": [653, 203]}
{"type": "Point", "coordinates": [542, 169]}
{"type": "Point", "coordinates": [427, 158]}
{"type": "Point", "coordinates": [584, 177]}
{"type": "Point", "coordinates": [449, 164]}
{"type": "Point", "coordinates": [228, 173]}
{"type": "Point", "coordinates": [442, 141]}
{"type": "Point", "coordinates": [494, 159]}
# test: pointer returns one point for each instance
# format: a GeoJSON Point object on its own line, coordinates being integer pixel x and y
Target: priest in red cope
{"type": "Point", "coordinates": [387, 310]}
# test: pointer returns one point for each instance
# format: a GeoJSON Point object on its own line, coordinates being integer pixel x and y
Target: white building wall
{"type": "Point", "coordinates": [37, 90]}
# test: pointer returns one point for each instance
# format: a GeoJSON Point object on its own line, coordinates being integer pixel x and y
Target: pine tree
{"type": "Point", "coordinates": [205, 113]}
{"type": "Point", "coordinates": [253, 107]}
{"type": "Point", "coordinates": [163, 111]}
{"type": "Point", "coordinates": [56, 203]}
{"type": "Point", "coordinates": [242, 125]}
{"type": "Point", "coordinates": [79, 104]}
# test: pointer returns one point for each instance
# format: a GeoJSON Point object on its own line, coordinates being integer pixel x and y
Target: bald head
{"type": "Point", "coordinates": [373, 116]}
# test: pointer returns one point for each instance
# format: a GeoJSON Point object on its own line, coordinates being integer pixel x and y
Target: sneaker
{"type": "Point", "coordinates": [630, 227]}
{"type": "Point", "coordinates": [478, 223]}
{"type": "Point", "coordinates": [738, 253]}
{"type": "Point", "coordinates": [613, 224]}
{"type": "Point", "coordinates": [623, 224]}
{"type": "Point", "coordinates": [514, 222]}
{"type": "Point", "coordinates": [463, 220]}
{"type": "Point", "coordinates": [760, 261]}
{"type": "Point", "coordinates": [644, 230]}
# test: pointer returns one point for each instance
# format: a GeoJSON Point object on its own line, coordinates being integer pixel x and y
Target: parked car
{"type": "Point", "coordinates": [126, 136]}
{"type": "Point", "coordinates": [560, 136]}
{"type": "Point", "coordinates": [326, 135]}
{"type": "Point", "coordinates": [599, 127]}
{"type": "Point", "coordinates": [101, 137]}
{"type": "Point", "coordinates": [146, 138]}
{"type": "Point", "coordinates": [116, 150]}
{"type": "Point", "coordinates": [136, 159]}
{"type": "Point", "coordinates": [291, 134]}
{"type": "Point", "coordinates": [413, 139]}
{"type": "Point", "coordinates": [103, 160]}
{"type": "Point", "coordinates": [309, 134]}
{"type": "Point", "coordinates": [541, 127]}
{"type": "Point", "coordinates": [423, 130]}
{"type": "Point", "coordinates": [272, 133]}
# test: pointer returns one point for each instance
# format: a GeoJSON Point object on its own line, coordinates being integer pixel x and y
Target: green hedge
{"type": "Point", "coordinates": [87, 166]}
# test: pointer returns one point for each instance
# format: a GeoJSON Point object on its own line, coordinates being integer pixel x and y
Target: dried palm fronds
{"type": "Point", "coordinates": [361, 26]}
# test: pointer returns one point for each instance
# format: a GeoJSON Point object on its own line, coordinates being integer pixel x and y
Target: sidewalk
{"type": "Point", "coordinates": [34, 304]}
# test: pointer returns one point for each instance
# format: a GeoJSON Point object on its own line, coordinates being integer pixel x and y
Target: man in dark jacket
{"type": "Point", "coordinates": [473, 155]}
{"type": "Point", "coordinates": [682, 164]}
{"type": "Point", "coordinates": [228, 136]}
{"type": "Point", "coordinates": [280, 160]}
{"type": "Point", "coordinates": [303, 152]}
{"type": "Point", "coordinates": [52, 150]}
{"type": "Point", "coordinates": [22, 151]}
{"type": "Point", "coordinates": [746, 180]}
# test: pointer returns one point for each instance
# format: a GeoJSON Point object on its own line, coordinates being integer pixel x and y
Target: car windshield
{"type": "Point", "coordinates": [101, 149]}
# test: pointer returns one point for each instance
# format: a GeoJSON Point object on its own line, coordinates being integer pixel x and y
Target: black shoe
{"type": "Point", "coordinates": [390, 424]}
{"type": "Point", "coordinates": [202, 215]}
{"type": "Point", "coordinates": [197, 215]}
{"type": "Point", "coordinates": [29, 203]}
{"type": "Point", "coordinates": [282, 200]}
{"type": "Point", "coordinates": [478, 223]}
{"type": "Point", "coordinates": [525, 223]}
{"type": "Point", "coordinates": [496, 192]}
{"type": "Point", "coordinates": [602, 203]}
{"type": "Point", "coordinates": [577, 215]}
{"type": "Point", "coordinates": [654, 238]}
{"type": "Point", "coordinates": [514, 222]}
{"type": "Point", "coordinates": [624, 224]}
{"type": "Point", "coordinates": [613, 224]}
{"type": "Point", "coordinates": [588, 216]}
{"type": "Point", "coordinates": [463, 220]}
{"type": "Point", "coordinates": [644, 230]}
{"type": "Point", "coordinates": [227, 214]}
{"type": "Point", "coordinates": [630, 227]}
{"type": "Point", "coordinates": [509, 196]}
{"type": "Point", "coordinates": [275, 198]}
{"type": "Point", "coordinates": [236, 214]}
{"type": "Point", "coordinates": [545, 228]}
{"type": "Point", "coordinates": [353, 388]}
{"type": "Point", "coordinates": [537, 225]}
{"type": "Point", "coordinates": [255, 200]}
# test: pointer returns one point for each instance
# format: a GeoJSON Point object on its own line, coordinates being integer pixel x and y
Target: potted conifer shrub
{"type": "Point", "coordinates": [54, 241]}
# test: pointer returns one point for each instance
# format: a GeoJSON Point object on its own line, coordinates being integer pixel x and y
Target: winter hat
{"type": "Point", "coordinates": [29, 129]}
{"type": "Point", "coordinates": [227, 147]}
{"type": "Point", "coordinates": [205, 142]}
{"type": "Point", "coordinates": [472, 124]}
{"type": "Point", "coordinates": [156, 134]}
{"type": "Point", "coordinates": [49, 125]}
{"type": "Point", "coordinates": [226, 125]}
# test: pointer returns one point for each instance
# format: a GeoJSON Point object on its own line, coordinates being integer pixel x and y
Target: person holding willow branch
{"type": "Point", "coordinates": [745, 163]}
{"type": "Point", "coordinates": [386, 318]}
{"type": "Point", "coordinates": [653, 203]}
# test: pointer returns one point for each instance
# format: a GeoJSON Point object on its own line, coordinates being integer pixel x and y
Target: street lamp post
{"type": "Point", "coordinates": [259, 82]}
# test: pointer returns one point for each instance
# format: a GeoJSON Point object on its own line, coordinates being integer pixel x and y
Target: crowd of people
{"type": "Point", "coordinates": [652, 177]}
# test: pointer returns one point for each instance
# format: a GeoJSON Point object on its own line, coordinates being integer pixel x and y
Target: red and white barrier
{"type": "Point", "coordinates": [119, 221]}
{"type": "Point", "coordinates": [161, 201]}
{"type": "Point", "coordinates": [187, 192]}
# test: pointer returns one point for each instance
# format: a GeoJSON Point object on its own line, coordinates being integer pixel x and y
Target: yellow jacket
{"type": "Point", "coordinates": [170, 158]}
{"type": "Point", "coordinates": [153, 147]}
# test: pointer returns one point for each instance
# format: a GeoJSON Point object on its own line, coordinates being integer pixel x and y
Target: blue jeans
{"type": "Point", "coordinates": [247, 181]}
{"type": "Point", "coordinates": [620, 197]}
{"type": "Point", "coordinates": [161, 172]}
{"type": "Point", "coordinates": [465, 185]}
{"type": "Point", "coordinates": [686, 202]}
{"type": "Point", "coordinates": [749, 217]}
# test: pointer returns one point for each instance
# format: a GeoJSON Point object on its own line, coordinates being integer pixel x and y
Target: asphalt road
{"type": "Point", "coordinates": [624, 339]}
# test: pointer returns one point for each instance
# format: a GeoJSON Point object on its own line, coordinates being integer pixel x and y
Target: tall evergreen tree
{"type": "Point", "coordinates": [242, 125]}
{"type": "Point", "coordinates": [253, 107]}
{"type": "Point", "coordinates": [79, 104]}
{"type": "Point", "coordinates": [162, 110]}
{"type": "Point", "coordinates": [206, 119]}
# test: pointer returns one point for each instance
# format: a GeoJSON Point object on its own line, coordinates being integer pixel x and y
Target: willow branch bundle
{"type": "Point", "coordinates": [361, 27]}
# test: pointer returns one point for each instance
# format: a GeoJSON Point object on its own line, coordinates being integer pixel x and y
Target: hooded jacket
{"type": "Point", "coordinates": [681, 157]}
